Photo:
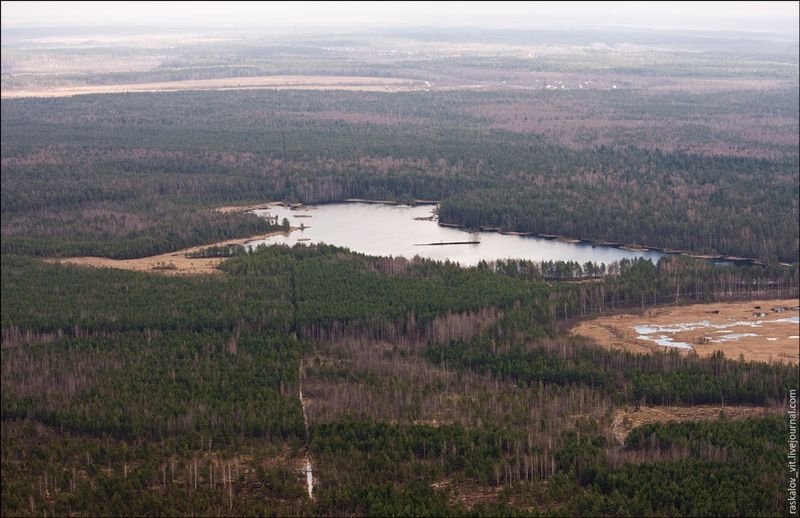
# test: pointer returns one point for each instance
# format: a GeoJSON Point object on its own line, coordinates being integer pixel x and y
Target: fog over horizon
{"type": "Point", "coordinates": [774, 17]}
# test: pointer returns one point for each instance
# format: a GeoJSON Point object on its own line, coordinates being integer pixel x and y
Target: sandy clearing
{"type": "Point", "coordinates": [353, 83]}
{"type": "Point", "coordinates": [738, 330]}
{"type": "Point", "coordinates": [155, 264]}
{"type": "Point", "coordinates": [626, 419]}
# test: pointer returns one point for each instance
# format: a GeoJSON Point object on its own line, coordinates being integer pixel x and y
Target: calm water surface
{"type": "Point", "coordinates": [393, 230]}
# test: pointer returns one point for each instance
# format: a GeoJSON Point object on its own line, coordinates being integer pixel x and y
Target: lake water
{"type": "Point", "coordinates": [395, 230]}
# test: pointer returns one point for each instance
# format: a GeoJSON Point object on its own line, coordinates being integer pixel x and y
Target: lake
{"type": "Point", "coordinates": [402, 230]}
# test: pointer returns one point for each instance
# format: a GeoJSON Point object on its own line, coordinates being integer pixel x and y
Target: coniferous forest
{"type": "Point", "coordinates": [397, 385]}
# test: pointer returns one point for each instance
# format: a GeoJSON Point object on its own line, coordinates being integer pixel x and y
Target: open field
{"type": "Point", "coordinates": [361, 84]}
{"type": "Point", "coordinates": [173, 263]}
{"type": "Point", "coordinates": [626, 419]}
{"type": "Point", "coordinates": [528, 82]}
{"type": "Point", "coordinates": [747, 328]}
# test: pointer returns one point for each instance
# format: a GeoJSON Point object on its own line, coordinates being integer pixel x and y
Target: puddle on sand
{"type": "Point", "coordinates": [666, 341]}
{"type": "Point", "coordinates": [733, 336]}
{"type": "Point", "coordinates": [645, 331]}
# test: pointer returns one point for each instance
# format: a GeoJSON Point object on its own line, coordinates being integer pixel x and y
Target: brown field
{"type": "Point", "coordinates": [173, 263]}
{"type": "Point", "coordinates": [353, 83]}
{"type": "Point", "coordinates": [626, 419]}
{"type": "Point", "coordinates": [773, 341]}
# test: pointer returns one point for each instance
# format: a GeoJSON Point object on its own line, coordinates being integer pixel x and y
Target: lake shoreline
{"type": "Point", "coordinates": [177, 263]}
{"type": "Point", "coordinates": [395, 228]}
{"type": "Point", "coordinates": [631, 247]}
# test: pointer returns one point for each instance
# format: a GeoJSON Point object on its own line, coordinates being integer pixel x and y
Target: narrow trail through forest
{"type": "Point", "coordinates": [307, 466]}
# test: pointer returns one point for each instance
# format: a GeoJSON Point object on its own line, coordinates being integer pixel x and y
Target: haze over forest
{"type": "Point", "coordinates": [780, 17]}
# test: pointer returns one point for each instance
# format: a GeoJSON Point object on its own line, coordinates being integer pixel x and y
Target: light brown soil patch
{"type": "Point", "coordinates": [776, 341]}
{"type": "Point", "coordinates": [627, 419]}
{"type": "Point", "coordinates": [173, 263]}
{"type": "Point", "coordinates": [467, 494]}
{"type": "Point", "coordinates": [353, 83]}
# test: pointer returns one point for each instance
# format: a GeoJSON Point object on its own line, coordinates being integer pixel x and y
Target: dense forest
{"type": "Point", "coordinates": [134, 175]}
{"type": "Point", "coordinates": [429, 389]}
{"type": "Point", "coordinates": [318, 381]}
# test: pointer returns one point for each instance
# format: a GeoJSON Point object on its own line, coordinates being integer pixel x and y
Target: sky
{"type": "Point", "coordinates": [753, 16]}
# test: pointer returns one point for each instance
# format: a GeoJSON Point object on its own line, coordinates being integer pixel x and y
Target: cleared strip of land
{"type": "Point", "coordinates": [354, 83]}
{"type": "Point", "coordinates": [750, 328]}
{"type": "Point", "coordinates": [173, 263]}
{"type": "Point", "coordinates": [626, 419]}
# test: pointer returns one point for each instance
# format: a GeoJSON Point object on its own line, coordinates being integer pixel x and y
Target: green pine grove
{"type": "Point", "coordinates": [134, 393]}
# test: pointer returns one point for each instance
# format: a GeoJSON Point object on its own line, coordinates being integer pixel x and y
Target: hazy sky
{"type": "Point", "coordinates": [756, 16]}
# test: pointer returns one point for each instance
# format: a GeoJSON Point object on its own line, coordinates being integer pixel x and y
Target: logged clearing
{"type": "Point", "coordinates": [353, 83]}
{"type": "Point", "coordinates": [172, 263]}
{"type": "Point", "coordinates": [468, 494]}
{"type": "Point", "coordinates": [627, 419]}
{"type": "Point", "coordinates": [751, 328]}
